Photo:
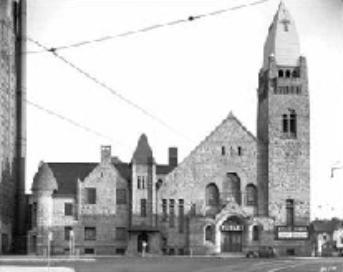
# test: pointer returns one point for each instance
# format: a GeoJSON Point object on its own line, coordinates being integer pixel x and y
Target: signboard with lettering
{"type": "Point", "coordinates": [232, 228]}
{"type": "Point", "coordinates": [292, 232]}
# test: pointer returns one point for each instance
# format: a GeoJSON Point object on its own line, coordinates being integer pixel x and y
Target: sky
{"type": "Point", "coordinates": [190, 75]}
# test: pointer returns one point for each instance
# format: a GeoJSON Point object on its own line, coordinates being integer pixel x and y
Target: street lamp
{"type": "Point", "coordinates": [50, 237]}
{"type": "Point", "coordinates": [334, 168]}
{"type": "Point", "coordinates": [71, 242]}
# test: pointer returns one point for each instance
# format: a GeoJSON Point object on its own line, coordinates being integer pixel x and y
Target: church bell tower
{"type": "Point", "coordinates": [283, 126]}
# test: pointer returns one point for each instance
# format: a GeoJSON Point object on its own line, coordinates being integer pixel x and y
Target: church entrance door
{"type": "Point", "coordinates": [231, 241]}
{"type": "Point", "coordinates": [232, 235]}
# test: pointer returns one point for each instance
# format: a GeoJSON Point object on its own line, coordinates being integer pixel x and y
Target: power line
{"type": "Point", "coordinates": [190, 18]}
{"type": "Point", "coordinates": [66, 119]}
{"type": "Point", "coordinates": [108, 88]}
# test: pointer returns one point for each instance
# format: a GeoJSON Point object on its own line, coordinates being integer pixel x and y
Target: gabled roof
{"type": "Point", "coordinates": [143, 152]}
{"type": "Point", "coordinates": [67, 174]}
{"type": "Point", "coordinates": [124, 170]}
{"type": "Point", "coordinates": [230, 117]}
{"type": "Point", "coordinates": [282, 41]}
{"type": "Point", "coordinates": [163, 169]}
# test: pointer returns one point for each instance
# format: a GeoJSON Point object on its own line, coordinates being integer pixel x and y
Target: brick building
{"type": "Point", "coordinates": [233, 193]}
{"type": "Point", "coordinates": [12, 126]}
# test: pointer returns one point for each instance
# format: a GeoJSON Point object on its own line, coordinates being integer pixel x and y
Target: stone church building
{"type": "Point", "coordinates": [233, 193]}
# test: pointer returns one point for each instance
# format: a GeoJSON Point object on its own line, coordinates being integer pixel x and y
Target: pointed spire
{"type": "Point", "coordinates": [282, 42]}
{"type": "Point", "coordinates": [143, 152]}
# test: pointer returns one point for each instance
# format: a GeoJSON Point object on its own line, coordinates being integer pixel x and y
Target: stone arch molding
{"type": "Point", "coordinates": [231, 209]}
{"type": "Point", "coordinates": [218, 177]}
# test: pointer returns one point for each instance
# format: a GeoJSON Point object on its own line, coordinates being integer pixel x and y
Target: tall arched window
{"type": "Point", "coordinates": [212, 195]}
{"type": "Point", "coordinates": [289, 123]}
{"type": "Point", "coordinates": [280, 73]}
{"type": "Point", "coordinates": [232, 187]}
{"type": "Point", "coordinates": [251, 194]}
{"type": "Point", "coordinates": [209, 234]}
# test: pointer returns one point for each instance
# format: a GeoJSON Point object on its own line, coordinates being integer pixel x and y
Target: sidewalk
{"type": "Point", "coordinates": [43, 259]}
{"type": "Point", "coordinates": [34, 269]}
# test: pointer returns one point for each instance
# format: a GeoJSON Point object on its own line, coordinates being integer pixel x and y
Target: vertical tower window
{"type": "Point", "coordinates": [239, 149]}
{"type": "Point", "coordinates": [143, 182]}
{"type": "Point", "coordinates": [143, 207]}
{"type": "Point", "coordinates": [181, 215]}
{"type": "Point", "coordinates": [290, 212]}
{"type": "Point", "coordinates": [139, 182]}
{"type": "Point", "coordinates": [284, 123]}
{"type": "Point", "coordinates": [171, 213]}
{"type": "Point", "coordinates": [293, 124]}
{"type": "Point", "coordinates": [289, 124]}
{"type": "Point", "coordinates": [223, 150]}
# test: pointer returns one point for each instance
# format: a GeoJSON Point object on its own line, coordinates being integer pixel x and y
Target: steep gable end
{"type": "Point", "coordinates": [226, 137]}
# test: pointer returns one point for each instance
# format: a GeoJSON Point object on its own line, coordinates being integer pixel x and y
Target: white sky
{"type": "Point", "coordinates": [190, 75]}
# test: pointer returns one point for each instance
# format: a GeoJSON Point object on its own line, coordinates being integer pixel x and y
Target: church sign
{"type": "Point", "coordinates": [227, 227]}
{"type": "Point", "coordinates": [292, 232]}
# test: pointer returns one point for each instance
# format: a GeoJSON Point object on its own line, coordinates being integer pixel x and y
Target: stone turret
{"type": "Point", "coordinates": [143, 180]}
{"type": "Point", "coordinates": [44, 185]}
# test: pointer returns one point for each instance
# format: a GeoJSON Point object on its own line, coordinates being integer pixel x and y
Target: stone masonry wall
{"type": "Point", "coordinates": [206, 165]}
{"type": "Point", "coordinates": [8, 124]}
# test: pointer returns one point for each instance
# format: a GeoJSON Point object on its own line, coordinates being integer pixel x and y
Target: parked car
{"type": "Point", "coordinates": [261, 252]}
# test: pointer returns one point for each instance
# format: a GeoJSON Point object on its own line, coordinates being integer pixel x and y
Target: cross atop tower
{"type": "Point", "coordinates": [285, 23]}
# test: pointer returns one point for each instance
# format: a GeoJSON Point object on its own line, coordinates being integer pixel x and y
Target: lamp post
{"type": "Point", "coordinates": [71, 242]}
{"type": "Point", "coordinates": [334, 168]}
{"type": "Point", "coordinates": [50, 237]}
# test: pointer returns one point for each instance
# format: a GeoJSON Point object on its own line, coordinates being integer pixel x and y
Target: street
{"type": "Point", "coordinates": [175, 264]}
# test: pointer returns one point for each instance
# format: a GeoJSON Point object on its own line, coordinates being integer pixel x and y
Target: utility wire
{"type": "Point", "coordinates": [108, 88]}
{"type": "Point", "coordinates": [66, 119]}
{"type": "Point", "coordinates": [148, 28]}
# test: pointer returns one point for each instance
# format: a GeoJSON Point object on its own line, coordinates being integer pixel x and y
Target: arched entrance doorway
{"type": "Point", "coordinates": [142, 239]}
{"type": "Point", "coordinates": [231, 235]}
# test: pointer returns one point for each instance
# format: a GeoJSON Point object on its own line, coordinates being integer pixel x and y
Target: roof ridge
{"type": "Point", "coordinates": [229, 116]}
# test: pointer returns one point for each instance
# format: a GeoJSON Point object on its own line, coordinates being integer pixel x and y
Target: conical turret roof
{"type": "Point", "coordinates": [282, 41]}
{"type": "Point", "coordinates": [44, 179]}
{"type": "Point", "coordinates": [143, 152]}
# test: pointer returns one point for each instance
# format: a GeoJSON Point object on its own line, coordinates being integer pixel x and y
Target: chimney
{"type": "Point", "coordinates": [106, 153]}
{"type": "Point", "coordinates": [172, 151]}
